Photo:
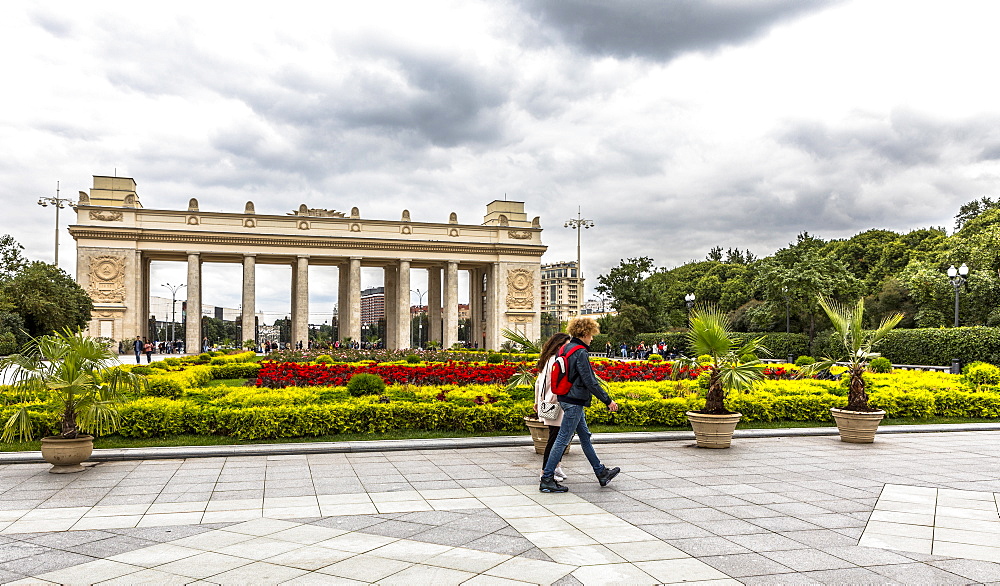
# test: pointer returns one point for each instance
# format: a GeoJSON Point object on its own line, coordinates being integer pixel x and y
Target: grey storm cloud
{"type": "Point", "coordinates": [440, 102]}
{"type": "Point", "coordinates": [659, 30]}
{"type": "Point", "coordinates": [901, 140]}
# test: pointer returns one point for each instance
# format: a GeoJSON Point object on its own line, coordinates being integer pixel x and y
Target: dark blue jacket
{"type": "Point", "coordinates": [581, 374]}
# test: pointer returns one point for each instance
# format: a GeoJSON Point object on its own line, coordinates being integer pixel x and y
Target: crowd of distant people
{"type": "Point", "coordinates": [642, 351]}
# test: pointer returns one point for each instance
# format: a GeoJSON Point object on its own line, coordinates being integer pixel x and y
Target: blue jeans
{"type": "Point", "coordinates": [573, 421]}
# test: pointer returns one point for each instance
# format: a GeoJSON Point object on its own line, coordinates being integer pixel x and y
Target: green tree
{"type": "Point", "coordinates": [930, 290]}
{"type": "Point", "coordinates": [626, 284]}
{"type": "Point", "coordinates": [798, 275]}
{"type": "Point", "coordinates": [46, 298]}
{"type": "Point", "coordinates": [972, 210]}
{"type": "Point", "coordinates": [11, 258]}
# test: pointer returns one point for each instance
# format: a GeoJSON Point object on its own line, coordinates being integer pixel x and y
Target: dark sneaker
{"type": "Point", "coordinates": [607, 475]}
{"type": "Point", "coordinates": [551, 485]}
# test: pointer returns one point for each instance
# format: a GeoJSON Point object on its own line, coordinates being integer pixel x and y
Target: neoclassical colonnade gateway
{"type": "Point", "coordinates": [117, 239]}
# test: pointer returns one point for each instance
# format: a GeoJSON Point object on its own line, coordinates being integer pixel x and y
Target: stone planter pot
{"type": "Point", "coordinates": [65, 455]}
{"type": "Point", "coordinates": [713, 431]}
{"type": "Point", "coordinates": [857, 427]}
{"type": "Point", "coordinates": [539, 434]}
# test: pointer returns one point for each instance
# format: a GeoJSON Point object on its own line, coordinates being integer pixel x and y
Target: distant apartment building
{"type": "Point", "coordinates": [372, 305]}
{"type": "Point", "coordinates": [562, 290]}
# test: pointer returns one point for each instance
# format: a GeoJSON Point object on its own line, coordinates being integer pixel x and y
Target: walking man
{"type": "Point", "coordinates": [585, 387]}
{"type": "Point", "coordinates": [138, 346]}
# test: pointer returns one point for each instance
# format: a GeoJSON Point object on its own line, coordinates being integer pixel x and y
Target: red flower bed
{"type": "Point", "coordinates": [276, 375]}
{"type": "Point", "coordinates": [290, 374]}
{"type": "Point", "coordinates": [639, 371]}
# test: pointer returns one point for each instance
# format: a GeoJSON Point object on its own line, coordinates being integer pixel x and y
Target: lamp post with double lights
{"type": "Point", "coordinates": [958, 278]}
{"type": "Point", "coordinates": [173, 309]}
{"type": "Point", "coordinates": [689, 301]}
{"type": "Point", "coordinates": [788, 310]}
{"type": "Point", "coordinates": [578, 224]}
{"type": "Point", "coordinates": [59, 203]}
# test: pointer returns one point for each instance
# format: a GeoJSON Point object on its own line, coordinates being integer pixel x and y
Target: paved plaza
{"type": "Point", "coordinates": [916, 508]}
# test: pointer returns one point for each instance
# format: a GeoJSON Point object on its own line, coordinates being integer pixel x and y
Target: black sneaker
{"type": "Point", "coordinates": [551, 485]}
{"type": "Point", "coordinates": [607, 475]}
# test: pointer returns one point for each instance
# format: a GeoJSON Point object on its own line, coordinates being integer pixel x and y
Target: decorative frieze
{"type": "Point", "coordinates": [104, 216]}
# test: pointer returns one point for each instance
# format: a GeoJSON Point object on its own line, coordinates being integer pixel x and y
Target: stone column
{"type": "Point", "coordinates": [402, 302]}
{"type": "Point", "coordinates": [249, 331]}
{"type": "Point", "coordinates": [144, 299]}
{"type": "Point", "coordinates": [353, 313]}
{"type": "Point", "coordinates": [192, 337]}
{"type": "Point", "coordinates": [493, 312]}
{"type": "Point", "coordinates": [434, 303]}
{"type": "Point", "coordinates": [390, 286]}
{"type": "Point", "coordinates": [343, 297]}
{"type": "Point", "coordinates": [300, 302]}
{"type": "Point", "coordinates": [476, 305]}
{"type": "Point", "coordinates": [450, 309]}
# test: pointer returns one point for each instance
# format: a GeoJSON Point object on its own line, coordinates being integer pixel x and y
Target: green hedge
{"type": "Point", "coordinates": [149, 417]}
{"type": "Point", "coordinates": [779, 343]}
{"type": "Point", "coordinates": [929, 346]}
{"type": "Point", "coordinates": [235, 370]}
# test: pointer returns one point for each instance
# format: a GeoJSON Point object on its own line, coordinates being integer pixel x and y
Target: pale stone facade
{"type": "Point", "coordinates": [117, 238]}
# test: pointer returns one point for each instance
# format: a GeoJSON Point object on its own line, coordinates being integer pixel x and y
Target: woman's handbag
{"type": "Point", "coordinates": [549, 411]}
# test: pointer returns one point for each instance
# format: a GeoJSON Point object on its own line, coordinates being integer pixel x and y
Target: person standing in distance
{"type": "Point", "coordinates": [585, 387]}
{"type": "Point", "coordinates": [138, 346]}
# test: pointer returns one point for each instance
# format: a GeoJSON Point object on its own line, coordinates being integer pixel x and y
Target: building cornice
{"type": "Point", "coordinates": [139, 235]}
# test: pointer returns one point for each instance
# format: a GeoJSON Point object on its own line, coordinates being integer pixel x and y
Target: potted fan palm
{"type": "Point", "coordinates": [710, 333]}
{"type": "Point", "coordinates": [75, 372]}
{"type": "Point", "coordinates": [857, 422]}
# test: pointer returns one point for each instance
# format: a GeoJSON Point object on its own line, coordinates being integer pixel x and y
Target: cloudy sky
{"type": "Point", "coordinates": [676, 125]}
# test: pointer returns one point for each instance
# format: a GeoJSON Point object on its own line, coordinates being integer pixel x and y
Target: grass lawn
{"type": "Point", "coordinates": [211, 440]}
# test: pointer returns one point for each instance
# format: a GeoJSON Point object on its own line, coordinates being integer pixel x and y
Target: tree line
{"type": "Point", "coordinates": [892, 271]}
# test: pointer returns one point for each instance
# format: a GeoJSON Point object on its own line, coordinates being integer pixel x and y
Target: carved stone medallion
{"type": "Point", "coordinates": [520, 289]}
{"type": "Point", "coordinates": [105, 216]}
{"type": "Point", "coordinates": [519, 234]}
{"type": "Point", "coordinates": [107, 279]}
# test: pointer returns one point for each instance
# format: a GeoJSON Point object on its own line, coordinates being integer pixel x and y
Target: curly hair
{"type": "Point", "coordinates": [583, 326]}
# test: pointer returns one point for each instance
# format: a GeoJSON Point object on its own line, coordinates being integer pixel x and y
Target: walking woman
{"type": "Point", "coordinates": [546, 404]}
{"type": "Point", "coordinates": [584, 387]}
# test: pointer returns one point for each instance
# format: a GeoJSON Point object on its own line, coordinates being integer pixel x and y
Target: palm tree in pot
{"type": "Point", "coordinates": [710, 333]}
{"type": "Point", "coordinates": [858, 421]}
{"type": "Point", "coordinates": [75, 372]}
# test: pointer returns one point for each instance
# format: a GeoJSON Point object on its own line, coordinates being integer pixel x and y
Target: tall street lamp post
{"type": "Point", "coordinates": [958, 278]}
{"type": "Point", "coordinates": [173, 309]}
{"type": "Point", "coordinates": [578, 224]}
{"type": "Point", "coordinates": [689, 301]}
{"type": "Point", "coordinates": [420, 320]}
{"type": "Point", "coordinates": [58, 203]}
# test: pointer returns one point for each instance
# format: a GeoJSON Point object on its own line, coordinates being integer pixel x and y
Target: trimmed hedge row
{"type": "Point", "coordinates": [159, 417]}
{"type": "Point", "coordinates": [930, 346]}
{"type": "Point", "coordinates": [779, 343]}
{"type": "Point", "coordinates": [927, 346]}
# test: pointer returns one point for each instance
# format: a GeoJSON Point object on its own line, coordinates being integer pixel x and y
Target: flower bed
{"type": "Point", "coordinates": [181, 403]}
{"type": "Point", "coordinates": [276, 375]}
